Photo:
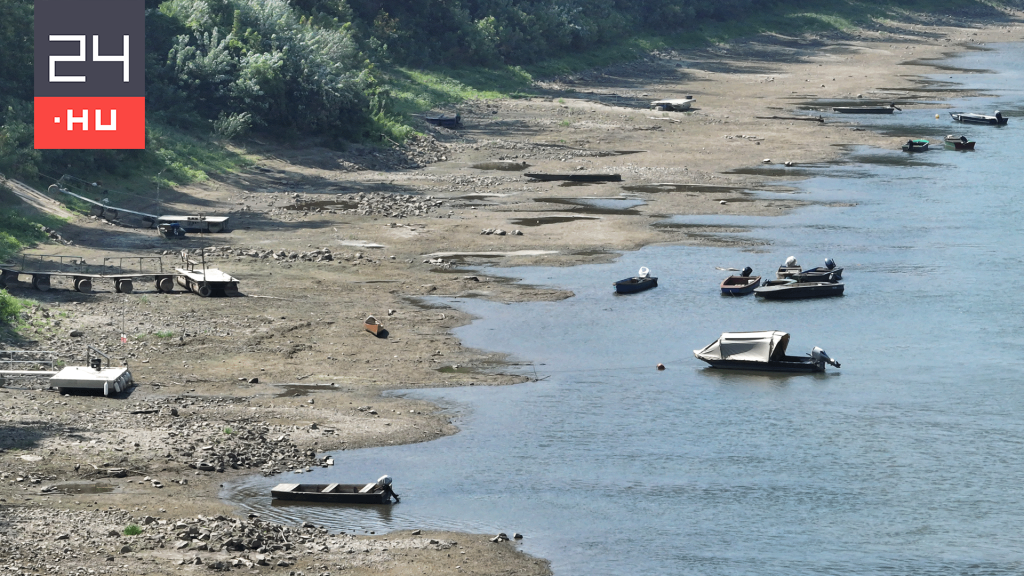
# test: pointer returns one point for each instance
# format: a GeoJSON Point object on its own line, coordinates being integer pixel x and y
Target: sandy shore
{"type": "Point", "coordinates": [272, 380]}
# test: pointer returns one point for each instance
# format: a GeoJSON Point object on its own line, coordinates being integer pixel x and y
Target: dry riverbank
{"type": "Point", "coordinates": [271, 380]}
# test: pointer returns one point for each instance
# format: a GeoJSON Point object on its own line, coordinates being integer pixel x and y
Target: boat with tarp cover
{"type": "Point", "coordinates": [765, 351]}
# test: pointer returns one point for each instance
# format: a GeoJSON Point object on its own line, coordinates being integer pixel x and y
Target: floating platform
{"type": "Point", "coordinates": [110, 380]}
{"type": "Point", "coordinates": [196, 224]}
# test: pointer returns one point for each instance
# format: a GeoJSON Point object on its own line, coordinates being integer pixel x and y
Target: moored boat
{"type": "Point", "coordinates": [742, 284]}
{"type": "Point", "coordinates": [866, 109]}
{"type": "Point", "coordinates": [960, 142]}
{"type": "Point", "coordinates": [790, 289]}
{"type": "Point", "coordinates": [828, 273]}
{"type": "Point", "coordinates": [789, 268]}
{"type": "Point", "coordinates": [639, 283]}
{"type": "Point", "coordinates": [997, 119]}
{"type": "Point", "coordinates": [916, 145]}
{"type": "Point", "coordinates": [373, 493]}
{"type": "Point", "coordinates": [763, 351]}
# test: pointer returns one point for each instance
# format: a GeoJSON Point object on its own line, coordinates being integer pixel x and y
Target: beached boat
{"type": "Point", "coordinates": [827, 273]}
{"type": "Point", "coordinates": [998, 119]}
{"type": "Point", "coordinates": [958, 142]}
{"type": "Point", "coordinates": [673, 104]}
{"type": "Point", "coordinates": [790, 289]}
{"type": "Point", "coordinates": [576, 177]}
{"type": "Point", "coordinates": [373, 326]}
{"type": "Point", "coordinates": [916, 145]}
{"type": "Point", "coordinates": [445, 120]}
{"type": "Point", "coordinates": [372, 493]}
{"type": "Point", "coordinates": [639, 283]}
{"type": "Point", "coordinates": [866, 109]}
{"type": "Point", "coordinates": [764, 351]}
{"type": "Point", "coordinates": [742, 284]}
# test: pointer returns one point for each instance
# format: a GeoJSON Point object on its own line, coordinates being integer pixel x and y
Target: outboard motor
{"type": "Point", "coordinates": [791, 261]}
{"type": "Point", "coordinates": [96, 364]}
{"type": "Point", "coordinates": [820, 358]}
{"type": "Point", "coordinates": [999, 115]}
{"type": "Point", "coordinates": [746, 272]}
{"type": "Point", "coordinates": [830, 263]}
{"type": "Point", "coordinates": [644, 272]}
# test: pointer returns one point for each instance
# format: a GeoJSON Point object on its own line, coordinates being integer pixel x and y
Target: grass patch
{"type": "Point", "coordinates": [21, 225]}
{"type": "Point", "coordinates": [229, 431]}
{"type": "Point", "coordinates": [132, 530]}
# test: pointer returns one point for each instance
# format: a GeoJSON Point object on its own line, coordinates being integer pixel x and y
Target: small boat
{"type": "Point", "coordinates": [998, 119]}
{"type": "Point", "coordinates": [790, 289]}
{"type": "Point", "coordinates": [372, 493]}
{"type": "Point", "coordinates": [742, 284]}
{"type": "Point", "coordinates": [673, 104]}
{"type": "Point", "coordinates": [373, 326]}
{"type": "Point", "coordinates": [444, 120]}
{"type": "Point", "coordinates": [639, 283]}
{"type": "Point", "coordinates": [916, 145]}
{"type": "Point", "coordinates": [576, 177]}
{"type": "Point", "coordinates": [765, 351]}
{"type": "Point", "coordinates": [789, 268]}
{"type": "Point", "coordinates": [866, 109]}
{"type": "Point", "coordinates": [828, 273]}
{"type": "Point", "coordinates": [961, 142]}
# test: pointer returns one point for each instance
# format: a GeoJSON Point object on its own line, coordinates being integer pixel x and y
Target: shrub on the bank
{"type": "Point", "coordinates": [132, 530]}
{"type": "Point", "coordinates": [10, 307]}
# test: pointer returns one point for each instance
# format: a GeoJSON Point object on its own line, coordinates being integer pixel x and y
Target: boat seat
{"type": "Point", "coordinates": [330, 488]}
{"type": "Point", "coordinates": [368, 488]}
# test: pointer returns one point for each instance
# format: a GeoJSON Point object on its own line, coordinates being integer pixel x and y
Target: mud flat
{"type": "Point", "coordinates": [270, 380]}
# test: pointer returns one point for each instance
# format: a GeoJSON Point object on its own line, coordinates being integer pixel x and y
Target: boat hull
{"type": "Point", "coordinates": [339, 494]}
{"type": "Point", "coordinates": [740, 285]}
{"type": "Point", "coordinates": [800, 290]}
{"type": "Point", "coordinates": [634, 285]}
{"type": "Point", "coordinates": [979, 119]}
{"type": "Point", "coordinates": [958, 145]}
{"type": "Point", "coordinates": [778, 366]}
{"type": "Point", "coordinates": [576, 177]}
{"type": "Point", "coordinates": [819, 275]}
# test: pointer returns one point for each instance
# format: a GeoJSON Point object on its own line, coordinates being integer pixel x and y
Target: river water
{"type": "Point", "coordinates": [907, 460]}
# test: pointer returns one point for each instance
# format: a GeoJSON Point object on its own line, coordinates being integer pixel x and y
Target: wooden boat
{"type": "Point", "coordinates": [742, 284]}
{"type": "Point", "coordinates": [639, 283]}
{"type": "Point", "coordinates": [998, 119]}
{"type": "Point", "coordinates": [955, 142]}
{"type": "Point", "coordinates": [444, 120]}
{"type": "Point", "coordinates": [373, 326]}
{"type": "Point", "coordinates": [372, 493]}
{"type": "Point", "coordinates": [576, 177]}
{"type": "Point", "coordinates": [673, 104]}
{"type": "Point", "coordinates": [866, 109]}
{"type": "Point", "coordinates": [916, 145]}
{"type": "Point", "coordinates": [789, 289]}
{"type": "Point", "coordinates": [789, 268]}
{"type": "Point", "coordinates": [764, 351]}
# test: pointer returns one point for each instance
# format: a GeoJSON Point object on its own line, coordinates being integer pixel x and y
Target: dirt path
{"type": "Point", "coordinates": [36, 199]}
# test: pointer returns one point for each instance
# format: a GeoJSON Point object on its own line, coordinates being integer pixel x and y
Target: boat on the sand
{"type": "Point", "coordinates": [575, 177]}
{"type": "Point", "coordinates": [866, 109]}
{"type": "Point", "coordinates": [763, 351]}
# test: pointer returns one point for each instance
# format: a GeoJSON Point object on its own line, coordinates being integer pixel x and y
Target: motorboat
{"type": "Point", "coordinates": [827, 273]}
{"type": "Point", "coordinates": [764, 351]}
{"type": "Point", "coordinates": [789, 268]}
{"type": "Point", "coordinates": [958, 142]}
{"type": "Point", "coordinates": [642, 281]}
{"type": "Point", "coordinates": [790, 289]}
{"type": "Point", "coordinates": [575, 177]}
{"type": "Point", "coordinates": [742, 284]}
{"type": "Point", "coordinates": [997, 119]}
{"type": "Point", "coordinates": [371, 493]}
{"type": "Point", "coordinates": [916, 145]}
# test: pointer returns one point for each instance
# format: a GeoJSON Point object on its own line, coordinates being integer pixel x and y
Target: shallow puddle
{"type": "Point", "coordinates": [87, 488]}
{"type": "Point", "coordinates": [548, 220]}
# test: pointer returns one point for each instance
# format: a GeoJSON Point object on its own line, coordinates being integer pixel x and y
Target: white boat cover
{"type": "Point", "coordinates": [750, 346]}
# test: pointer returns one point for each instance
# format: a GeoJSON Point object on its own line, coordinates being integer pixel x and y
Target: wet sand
{"type": "Point", "coordinates": [212, 373]}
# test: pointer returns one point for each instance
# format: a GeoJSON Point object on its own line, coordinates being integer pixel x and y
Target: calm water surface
{"type": "Point", "coordinates": [908, 460]}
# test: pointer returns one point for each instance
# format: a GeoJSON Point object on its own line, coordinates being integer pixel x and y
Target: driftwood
{"type": "Point", "coordinates": [807, 118]}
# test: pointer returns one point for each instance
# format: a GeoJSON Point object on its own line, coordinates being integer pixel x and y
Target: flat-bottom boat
{"type": "Point", "coordinates": [997, 120]}
{"type": "Point", "coordinates": [789, 289]}
{"type": "Point", "coordinates": [866, 109]}
{"type": "Point", "coordinates": [916, 145]}
{"type": "Point", "coordinates": [955, 142]}
{"type": "Point", "coordinates": [372, 493]}
{"type": "Point", "coordinates": [827, 273]}
{"type": "Point", "coordinates": [742, 284]}
{"type": "Point", "coordinates": [639, 283]}
{"type": "Point", "coordinates": [764, 351]}
{"type": "Point", "coordinates": [373, 326]}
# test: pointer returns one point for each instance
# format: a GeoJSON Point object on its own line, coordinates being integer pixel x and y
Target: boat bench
{"type": "Point", "coordinates": [330, 488]}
